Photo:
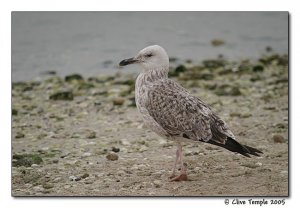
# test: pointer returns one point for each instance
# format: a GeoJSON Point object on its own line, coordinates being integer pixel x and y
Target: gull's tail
{"type": "Point", "coordinates": [234, 146]}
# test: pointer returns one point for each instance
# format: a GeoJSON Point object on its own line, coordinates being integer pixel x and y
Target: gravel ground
{"type": "Point", "coordinates": [83, 137]}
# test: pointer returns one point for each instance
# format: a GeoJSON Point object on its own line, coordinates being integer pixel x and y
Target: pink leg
{"type": "Point", "coordinates": [176, 160]}
{"type": "Point", "coordinates": [183, 166]}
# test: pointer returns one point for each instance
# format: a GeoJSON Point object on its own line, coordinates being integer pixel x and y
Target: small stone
{"type": "Point", "coordinates": [258, 164]}
{"type": "Point", "coordinates": [179, 69]}
{"type": "Point", "coordinates": [217, 42]}
{"type": "Point", "coordinates": [55, 161]}
{"type": "Point", "coordinates": [75, 135]}
{"type": "Point", "coordinates": [38, 188]}
{"type": "Point", "coordinates": [121, 173]}
{"type": "Point", "coordinates": [46, 191]}
{"type": "Point", "coordinates": [72, 77]}
{"type": "Point", "coordinates": [112, 156]}
{"type": "Point", "coordinates": [55, 180]}
{"type": "Point", "coordinates": [34, 165]}
{"type": "Point", "coordinates": [91, 135]}
{"type": "Point", "coordinates": [115, 149]}
{"type": "Point", "coordinates": [156, 175]}
{"type": "Point", "coordinates": [269, 49]}
{"type": "Point", "coordinates": [250, 165]}
{"type": "Point", "coordinates": [85, 86]}
{"type": "Point", "coordinates": [141, 166]}
{"type": "Point", "coordinates": [14, 112]}
{"type": "Point", "coordinates": [134, 167]}
{"type": "Point", "coordinates": [63, 95]}
{"type": "Point", "coordinates": [143, 149]}
{"type": "Point", "coordinates": [173, 59]}
{"type": "Point", "coordinates": [157, 183]}
{"type": "Point", "coordinates": [97, 103]}
{"type": "Point", "coordinates": [280, 125]}
{"type": "Point", "coordinates": [48, 186]}
{"type": "Point", "coordinates": [246, 115]}
{"type": "Point", "coordinates": [258, 68]}
{"type": "Point", "coordinates": [88, 182]}
{"type": "Point", "coordinates": [19, 135]}
{"type": "Point", "coordinates": [278, 138]}
{"type": "Point", "coordinates": [235, 114]}
{"type": "Point", "coordinates": [225, 90]}
{"type": "Point", "coordinates": [118, 101]}
{"type": "Point", "coordinates": [211, 148]}
{"type": "Point", "coordinates": [50, 72]}
{"type": "Point", "coordinates": [85, 175]}
{"type": "Point", "coordinates": [86, 154]}
{"type": "Point", "coordinates": [74, 178]}
{"type": "Point", "coordinates": [284, 172]}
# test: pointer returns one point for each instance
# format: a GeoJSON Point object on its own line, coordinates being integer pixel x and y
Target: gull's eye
{"type": "Point", "coordinates": [149, 55]}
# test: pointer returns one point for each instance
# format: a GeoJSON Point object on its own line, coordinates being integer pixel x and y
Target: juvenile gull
{"type": "Point", "coordinates": [173, 113]}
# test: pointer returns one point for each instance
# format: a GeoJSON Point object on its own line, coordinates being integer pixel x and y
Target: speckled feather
{"type": "Point", "coordinates": [176, 111]}
{"type": "Point", "coordinates": [171, 111]}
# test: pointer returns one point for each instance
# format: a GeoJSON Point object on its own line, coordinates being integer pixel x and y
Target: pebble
{"type": "Point", "coordinates": [72, 77]}
{"type": "Point", "coordinates": [217, 42]}
{"type": "Point", "coordinates": [14, 112]}
{"type": "Point", "coordinates": [91, 135]}
{"type": "Point", "coordinates": [72, 162]}
{"type": "Point", "coordinates": [280, 125]}
{"type": "Point", "coordinates": [258, 164]}
{"type": "Point", "coordinates": [157, 174]}
{"type": "Point", "coordinates": [55, 161]}
{"type": "Point", "coordinates": [55, 180]}
{"type": "Point", "coordinates": [115, 149]}
{"type": "Point", "coordinates": [278, 138]}
{"type": "Point", "coordinates": [112, 156]}
{"type": "Point", "coordinates": [211, 148]}
{"type": "Point", "coordinates": [246, 115]}
{"type": "Point", "coordinates": [123, 189]}
{"type": "Point", "coordinates": [141, 166]}
{"type": "Point", "coordinates": [85, 175]}
{"type": "Point", "coordinates": [121, 173]}
{"type": "Point", "coordinates": [88, 182]}
{"type": "Point", "coordinates": [48, 186]}
{"type": "Point", "coordinates": [38, 188]}
{"type": "Point", "coordinates": [250, 165]}
{"type": "Point", "coordinates": [86, 154]}
{"type": "Point", "coordinates": [157, 183]}
{"type": "Point", "coordinates": [63, 95]}
{"type": "Point", "coordinates": [118, 101]}
{"type": "Point", "coordinates": [125, 142]}
{"type": "Point", "coordinates": [143, 149]}
{"type": "Point", "coordinates": [134, 167]}
{"type": "Point", "coordinates": [19, 135]}
{"type": "Point", "coordinates": [284, 172]}
{"type": "Point", "coordinates": [74, 178]}
{"type": "Point", "coordinates": [48, 175]}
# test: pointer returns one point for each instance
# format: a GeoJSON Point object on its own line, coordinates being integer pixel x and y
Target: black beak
{"type": "Point", "coordinates": [127, 61]}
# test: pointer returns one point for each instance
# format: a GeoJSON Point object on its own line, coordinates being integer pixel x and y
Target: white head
{"type": "Point", "coordinates": [150, 58]}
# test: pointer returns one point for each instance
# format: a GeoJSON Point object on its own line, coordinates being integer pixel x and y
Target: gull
{"type": "Point", "coordinates": [174, 113]}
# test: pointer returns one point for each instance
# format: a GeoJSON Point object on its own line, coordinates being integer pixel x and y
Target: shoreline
{"type": "Point", "coordinates": [77, 136]}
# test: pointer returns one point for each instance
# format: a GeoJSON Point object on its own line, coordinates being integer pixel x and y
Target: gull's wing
{"type": "Point", "coordinates": [181, 114]}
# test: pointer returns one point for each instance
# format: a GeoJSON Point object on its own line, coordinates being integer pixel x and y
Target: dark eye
{"type": "Point", "coordinates": [149, 55]}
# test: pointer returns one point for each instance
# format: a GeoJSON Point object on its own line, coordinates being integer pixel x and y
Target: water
{"type": "Point", "coordinates": [91, 43]}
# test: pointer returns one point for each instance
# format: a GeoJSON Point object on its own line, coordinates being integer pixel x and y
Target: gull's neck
{"type": "Point", "coordinates": [151, 75]}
